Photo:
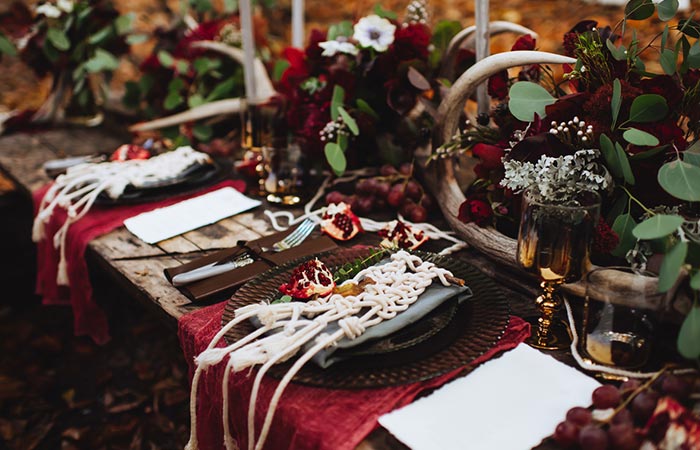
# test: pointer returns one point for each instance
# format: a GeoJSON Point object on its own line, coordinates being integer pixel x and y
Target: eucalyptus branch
{"type": "Point", "coordinates": [633, 198]}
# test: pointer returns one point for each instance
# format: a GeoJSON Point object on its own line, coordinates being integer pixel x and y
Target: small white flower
{"type": "Point", "coordinates": [65, 5]}
{"type": "Point", "coordinates": [330, 48]}
{"type": "Point", "coordinates": [48, 10]}
{"type": "Point", "coordinates": [374, 31]}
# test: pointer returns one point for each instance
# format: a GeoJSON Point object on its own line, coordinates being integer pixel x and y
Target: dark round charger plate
{"type": "Point", "coordinates": [192, 179]}
{"type": "Point", "coordinates": [449, 338]}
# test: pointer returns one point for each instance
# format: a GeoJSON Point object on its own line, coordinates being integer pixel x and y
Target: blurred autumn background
{"type": "Point", "coordinates": [20, 88]}
{"type": "Point", "coordinates": [58, 391]}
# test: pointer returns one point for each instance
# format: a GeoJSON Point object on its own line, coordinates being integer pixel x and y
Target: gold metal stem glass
{"type": "Point", "coordinates": [553, 243]}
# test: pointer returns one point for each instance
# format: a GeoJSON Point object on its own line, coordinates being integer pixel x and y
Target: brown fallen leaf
{"type": "Point", "coordinates": [127, 406]}
{"type": "Point", "coordinates": [10, 387]}
{"type": "Point", "coordinates": [175, 397]}
{"type": "Point", "coordinates": [75, 434]}
{"type": "Point", "coordinates": [38, 433]}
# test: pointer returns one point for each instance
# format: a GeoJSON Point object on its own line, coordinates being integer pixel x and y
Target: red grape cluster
{"type": "Point", "coordinates": [393, 188]}
{"type": "Point", "coordinates": [633, 404]}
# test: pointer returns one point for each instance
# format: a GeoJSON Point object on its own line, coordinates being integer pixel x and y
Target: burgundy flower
{"type": "Point", "coordinates": [313, 50]}
{"type": "Point", "coordinates": [566, 107]}
{"type": "Point", "coordinates": [605, 239]}
{"type": "Point", "coordinates": [476, 210]}
{"type": "Point", "coordinates": [525, 42]}
{"type": "Point", "coordinates": [411, 42]}
{"type": "Point", "coordinates": [490, 155]}
{"type": "Point", "coordinates": [665, 86]}
{"type": "Point", "coordinates": [571, 37]}
{"type": "Point", "coordinates": [498, 85]}
{"type": "Point", "coordinates": [598, 106]}
{"type": "Point", "coordinates": [691, 78]}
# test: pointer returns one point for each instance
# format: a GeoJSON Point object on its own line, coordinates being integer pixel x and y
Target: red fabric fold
{"type": "Point", "coordinates": [88, 317]}
{"type": "Point", "coordinates": [307, 417]}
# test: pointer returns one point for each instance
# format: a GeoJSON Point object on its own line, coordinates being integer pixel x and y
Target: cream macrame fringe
{"type": "Point", "coordinates": [77, 190]}
{"type": "Point", "coordinates": [396, 285]}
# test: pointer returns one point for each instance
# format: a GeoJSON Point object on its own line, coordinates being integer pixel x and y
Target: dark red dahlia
{"type": "Point", "coordinates": [411, 42]}
{"type": "Point", "coordinates": [498, 85]}
{"type": "Point", "coordinates": [605, 239]}
{"type": "Point", "coordinates": [476, 210]}
{"type": "Point", "coordinates": [490, 155]}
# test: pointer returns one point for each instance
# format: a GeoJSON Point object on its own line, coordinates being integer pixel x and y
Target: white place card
{"type": "Point", "coordinates": [187, 215]}
{"type": "Point", "coordinates": [508, 403]}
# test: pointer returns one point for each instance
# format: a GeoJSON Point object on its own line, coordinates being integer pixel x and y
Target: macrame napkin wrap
{"type": "Point", "coordinates": [432, 298]}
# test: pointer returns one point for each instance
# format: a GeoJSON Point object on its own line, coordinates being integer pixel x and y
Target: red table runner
{"type": "Point", "coordinates": [306, 417]}
{"type": "Point", "coordinates": [88, 318]}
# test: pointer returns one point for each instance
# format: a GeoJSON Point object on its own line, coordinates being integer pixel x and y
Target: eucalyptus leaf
{"type": "Point", "coordinates": [337, 30]}
{"type": "Point", "coordinates": [693, 58]}
{"type": "Point", "coordinates": [337, 100]}
{"type": "Point", "coordinates": [230, 6]}
{"type": "Point", "coordinates": [173, 100]}
{"type": "Point", "coordinates": [281, 65]}
{"type": "Point", "coordinates": [195, 100]}
{"type": "Point", "coordinates": [202, 132]}
{"type": "Point", "coordinates": [443, 33]}
{"type": "Point", "coordinates": [671, 266]}
{"type": "Point", "coordinates": [657, 226]}
{"type": "Point", "coordinates": [689, 27]}
{"type": "Point", "coordinates": [182, 66]}
{"type": "Point", "coordinates": [667, 9]}
{"type": "Point", "coordinates": [664, 37]}
{"type": "Point", "coordinates": [528, 99]}
{"type": "Point", "coordinates": [222, 90]}
{"type": "Point", "coordinates": [639, 137]}
{"type": "Point", "coordinates": [648, 108]}
{"type": "Point", "coordinates": [639, 9]}
{"type": "Point", "coordinates": [381, 12]}
{"type": "Point", "coordinates": [623, 226]}
{"type": "Point", "coordinates": [335, 157]}
{"type": "Point", "coordinates": [619, 53]}
{"type": "Point", "coordinates": [101, 36]}
{"type": "Point", "coordinates": [691, 155]}
{"type": "Point", "coordinates": [607, 148]}
{"type": "Point", "coordinates": [134, 39]}
{"type": "Point", "coordinates": [417, 79]}
{"type": "Point", "coordinates": [366, 108]}
{"type": "Point", "coordinates": [668, 61]}
{"type": "Point", "coordinates": [6, 46]}
{"type": "Point", "coordinates": [616, 101]}
{"type": "Point", "coordinates": [624, 162]}
{"type": "Point", "coordinates": [647, 154]}
{"type": "Point", "coordinates": [58, 39]}
{"type": "Point", "coordinates": [689, 334]}
{"type": "Point", "coordinates": [680, 179]}
{"type": "Point", "coordinates": [165, 58]}
{"type": "Point", "coordinates": [695, 281]}
{"type": "Point", "coordinates": [101, 61]}
{"type": "Point", "coordinates": [124, 23]}
{"type": "Point", "coordinates": [349, 121]}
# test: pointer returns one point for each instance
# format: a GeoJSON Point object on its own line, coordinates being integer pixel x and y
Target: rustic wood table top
{"type": "Point", "coordinates": [138, 267]}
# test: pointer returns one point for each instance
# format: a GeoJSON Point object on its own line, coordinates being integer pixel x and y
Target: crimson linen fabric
{"type": "Point", "coordinates": [88, 317]}
{"type": "Point", "coordinates": [306, 417]}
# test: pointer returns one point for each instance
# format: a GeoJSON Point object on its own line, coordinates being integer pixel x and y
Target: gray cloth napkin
{"type": "Point", "coordinates": [435, 295]}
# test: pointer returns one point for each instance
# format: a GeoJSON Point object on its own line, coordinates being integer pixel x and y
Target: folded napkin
{"type": "Point", "coordinates": [307, 417]}
{"type": "Point", "coordinates": [89, 319]}
{"type": "Point", "coordinates": [221, 286]}
{"type": "Point", "coordinates": [434, 296]}
{"type": "Point", "coordinates": [187, 215]}
{"type": "Point", "coordinates": [512, 402]}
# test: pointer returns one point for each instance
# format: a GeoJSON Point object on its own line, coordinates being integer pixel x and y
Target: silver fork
{"type": "Point", "coordinates": [293, 239]}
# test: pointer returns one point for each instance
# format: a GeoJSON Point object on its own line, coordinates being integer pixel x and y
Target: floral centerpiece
{"type": "Point", "coordinates": [362, 93]}
{"type": "Point", "coordinates": [611, 124]}
{"type": "Point", "coordinates": [73, 41]}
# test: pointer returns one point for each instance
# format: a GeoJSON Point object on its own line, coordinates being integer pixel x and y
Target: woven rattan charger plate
{"type": "Point", "coordinates": [477, 326]}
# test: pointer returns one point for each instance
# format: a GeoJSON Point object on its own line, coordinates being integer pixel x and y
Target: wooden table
{"type": "Point", "coordinates": [138, 267]}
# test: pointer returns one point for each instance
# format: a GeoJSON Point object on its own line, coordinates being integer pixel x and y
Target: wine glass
{"type": "Point", "coordinates": [553, 242]}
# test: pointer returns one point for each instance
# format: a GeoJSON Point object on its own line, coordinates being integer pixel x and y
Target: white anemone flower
{"type": "Point", "coordinates": [48, 10]}
{"type": "Point", "coordinates": [330, 48]}
{"type": "Point", "coordinates": [374, 31]}
{"type": "Point", "coordinates": [65, 5]}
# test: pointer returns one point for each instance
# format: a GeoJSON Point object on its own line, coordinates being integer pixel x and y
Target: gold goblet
{"type": "Point", "coordinates": [553, 242]}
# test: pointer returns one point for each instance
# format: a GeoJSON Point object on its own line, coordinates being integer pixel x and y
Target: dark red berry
{"type": "Point", "coordinates": [579, 415]}
{"type": "Point", "coordinates": [387, 170]}
{"type": "Point", "coordinates": [592, 437]}
{"type": "Point", "coordinates": [566, 433]}
{"type": "Point", "coordinates": [419, 214]}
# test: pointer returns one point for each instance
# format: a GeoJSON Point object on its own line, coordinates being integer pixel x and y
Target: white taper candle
{"type": "Point", "coordinates": [297, 23]}
{"type": "Point", "coordinates": [481, 12]}
{"type": "Point", "coordinates": [246, 16]}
